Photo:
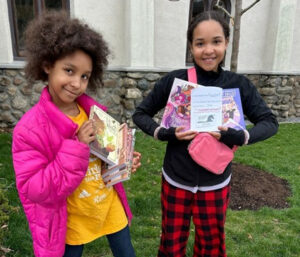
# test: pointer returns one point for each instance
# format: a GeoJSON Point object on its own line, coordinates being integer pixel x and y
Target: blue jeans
{"type": "Point", "coordinates": [119, 242]}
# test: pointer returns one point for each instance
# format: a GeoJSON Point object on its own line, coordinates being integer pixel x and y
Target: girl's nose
{"type": "Point", "coordinates": [208, 49]}
{"type": "Point", "coordinates": [76, 83]}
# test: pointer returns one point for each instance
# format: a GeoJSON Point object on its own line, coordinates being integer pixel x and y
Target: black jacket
{"type": "Point", "coordinates": [178, 164]}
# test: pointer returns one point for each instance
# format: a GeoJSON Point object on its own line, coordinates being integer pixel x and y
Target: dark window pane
{"type": "Point", "coordinates": [225, 4]}
{"type": "Point", "coordinates": [53, 4]}
{"type": "Point", "coordinates": [23, 13]}
{"type": "Point", "coordinates": [198, 7]}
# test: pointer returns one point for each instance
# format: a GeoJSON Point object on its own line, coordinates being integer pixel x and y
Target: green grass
{"type": "Point", "coordinates": [265, 233]}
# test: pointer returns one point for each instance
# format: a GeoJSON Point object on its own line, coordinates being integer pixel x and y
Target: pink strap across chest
{"type": "Point", "coordinates": [192, 75]}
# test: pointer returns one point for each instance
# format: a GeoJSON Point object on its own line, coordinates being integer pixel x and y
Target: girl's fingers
{"type": "Point", "coordinates": [216, 135]}
{"type": "Point", "coordinates": [178, 129]}
{"type": "Point", "coordinates": [221, 128]}
{"type": "Point", "coordinates": [187, 135]}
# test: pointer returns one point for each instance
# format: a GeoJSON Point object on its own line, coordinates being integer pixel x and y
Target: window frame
{"type": "Point", "coordinates": [39, 7]}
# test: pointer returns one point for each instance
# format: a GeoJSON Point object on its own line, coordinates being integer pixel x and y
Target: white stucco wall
{"type": "Point", "coordinates": [107, 17]}
{"type": "Point", "coordinates": [255, 44]}
{"type": "Point", "coordinates": [6, 54]}
{"type": "Point", "coordinates": [284, 39]}
{"type": "Point", "coordinates": [171, 22]}
{"type": "Point", "coordinates": [295, 59]}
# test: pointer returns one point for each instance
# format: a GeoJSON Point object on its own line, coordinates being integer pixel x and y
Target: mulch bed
{"type": "Point", "coordinates": [252, 189]}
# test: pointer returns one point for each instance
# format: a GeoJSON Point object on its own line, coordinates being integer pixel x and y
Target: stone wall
{"type": "Point", "coordinates": [123, 91]}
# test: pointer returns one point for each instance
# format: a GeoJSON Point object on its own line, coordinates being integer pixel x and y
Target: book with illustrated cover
{"type": "Point", "coordinates": [178, 109]}
{"type": "Point", "coordinates": [232, 110]}
{"type": "Point", "coordinates": [122, 171]}
{"type": "Point", "coordinates": [107, 132]}
{"type": "Point", "coordinates": [114, 145]}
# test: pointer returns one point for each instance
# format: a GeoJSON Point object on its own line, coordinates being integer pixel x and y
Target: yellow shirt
{"type": "Point", "coordinates": [94, 210]}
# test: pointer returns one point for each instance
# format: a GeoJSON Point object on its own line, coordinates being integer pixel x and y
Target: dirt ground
{"type": "Point", "coordinates": [252, 189]}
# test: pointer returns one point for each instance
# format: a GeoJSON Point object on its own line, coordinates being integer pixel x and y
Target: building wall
{"type": "Point", "coordinates": [6, 54]}
{"type": "Point", "coordinates": [123, 91]}
{"type": "Point", "coordinates": [295, 60]}
{"type": "Point", "coordinates": [151, 34]}
{"type": "Point", "coordinates": [107, 17]}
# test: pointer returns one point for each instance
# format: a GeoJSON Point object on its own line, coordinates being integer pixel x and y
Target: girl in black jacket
{"type": "Point", "coordinates": [189, 190]}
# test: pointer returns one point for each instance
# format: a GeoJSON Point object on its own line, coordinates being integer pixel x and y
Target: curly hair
{"type": "Point", "coordinates": [55, 35]}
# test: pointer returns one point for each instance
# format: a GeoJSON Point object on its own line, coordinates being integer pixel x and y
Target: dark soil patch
{"type": "Point", "coordinates": [252, 189]}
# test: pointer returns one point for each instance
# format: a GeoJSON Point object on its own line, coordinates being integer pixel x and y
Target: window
{"type": "Point", "coordinates": [198, 6]}
{"type": "Point", "coordinates": [23, 11]}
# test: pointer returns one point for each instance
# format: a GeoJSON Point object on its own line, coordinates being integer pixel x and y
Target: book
{"type": "Point", "coordinates": [232, 110]}
{"type": "Point", "coordinates": [121, 171]}
{"type": "Point", "coordinates": [114, 145]}
{"type": "Point", "coordinates": [206, 109]}
{"type": "Point", "coordinates": [178, 109]}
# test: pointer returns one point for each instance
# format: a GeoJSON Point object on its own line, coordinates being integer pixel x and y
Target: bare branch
{"type": "Point", "coordinates": [249, 7]}
{"type": "Point", "coordinates": [217, 5]}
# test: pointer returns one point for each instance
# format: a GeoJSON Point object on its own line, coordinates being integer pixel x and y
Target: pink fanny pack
{"type": "Point", "coordinates": [206, 150]}
{"type": "Point", "coordinates": [211, 154]}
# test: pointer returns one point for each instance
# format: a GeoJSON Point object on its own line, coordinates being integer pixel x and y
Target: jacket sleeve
{"type": "Point", "coordinates": [152, 104]}
{"type": "Point", "coordinates": [43, 178]}
{"type": "Point", "coordinates": [257, 111]}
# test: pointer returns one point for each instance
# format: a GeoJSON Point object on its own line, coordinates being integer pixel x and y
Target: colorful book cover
{"type": "Point", "coordinates": [114, 145]}
{"type": "Point", "coordinates": [178, 109]}
{"type": "Point", "coordinates": [232, 110]}
{"type": "Point", "coordinates": [107, 129]}
{"type": "Point", "coordinates": [123, 172]}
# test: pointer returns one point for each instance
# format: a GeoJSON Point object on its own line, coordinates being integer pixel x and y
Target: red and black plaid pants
{"type": "Point", "coordinates": [208, 211]}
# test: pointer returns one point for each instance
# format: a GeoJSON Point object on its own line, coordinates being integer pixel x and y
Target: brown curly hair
{"type": "Point", "coordinates": [55, 35]}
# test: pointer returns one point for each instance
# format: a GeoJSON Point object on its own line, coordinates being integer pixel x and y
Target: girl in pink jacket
{"type": "Point", "coordinates": [59, 183]}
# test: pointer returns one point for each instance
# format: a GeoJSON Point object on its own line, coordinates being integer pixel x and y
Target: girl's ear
{"type": "Point", "coordinates": [190, 48]}
{"type": "Point", "coordinates": [46, 67]}
{"type": "Point", "coordinates": [226, 42]}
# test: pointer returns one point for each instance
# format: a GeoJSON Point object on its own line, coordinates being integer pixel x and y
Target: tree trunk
{"type": "Point", "coordinates": [236, 35]}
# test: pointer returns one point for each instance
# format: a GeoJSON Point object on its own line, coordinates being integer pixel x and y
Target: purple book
{"type": "Point", "coordinates": [232, 109]}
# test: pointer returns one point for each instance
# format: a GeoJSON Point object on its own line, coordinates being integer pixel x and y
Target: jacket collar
{"type": "Point", "coordinates": [208, 77]}
{"type": "Point", "coordinates": [65, 126]}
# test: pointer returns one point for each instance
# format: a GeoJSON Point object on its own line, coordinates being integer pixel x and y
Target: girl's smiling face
{"type": "Point", "coordinates": [68, 79]}
{"type": "Point", "coordinates": [209, 45]}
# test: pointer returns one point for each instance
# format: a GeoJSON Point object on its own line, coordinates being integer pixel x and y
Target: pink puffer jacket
{"type": "Point", "coordinates": [50, 163]}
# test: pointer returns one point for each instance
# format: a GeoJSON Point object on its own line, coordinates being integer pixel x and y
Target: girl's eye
{"type": "Point", "coordinates": [85, 77]}
{"type": "Point", "coordinates": [217, 42]}
{"type": "Point", "coordinates": [69, 71]}
{"type": "Point", "coordinates": [199, 44]}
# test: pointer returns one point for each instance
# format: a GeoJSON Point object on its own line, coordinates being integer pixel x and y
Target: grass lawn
{"type": "Point", "coordinates": [263, 233]}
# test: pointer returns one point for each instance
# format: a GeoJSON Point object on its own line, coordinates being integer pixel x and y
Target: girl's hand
{"type": "Point", "coordinates": [186, 135]}
{"type": "Point", "coordinates": [136, 161]}
{"type": "Point", "coordinates": [86, 133]}
{"type": "Point", "coordinates": [217, 134]}
{"type": "Point", "coordinates": [230, 136]}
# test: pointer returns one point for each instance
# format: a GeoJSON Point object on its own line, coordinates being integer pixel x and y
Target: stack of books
{"type": "Point", "coordinates": [114, 145]}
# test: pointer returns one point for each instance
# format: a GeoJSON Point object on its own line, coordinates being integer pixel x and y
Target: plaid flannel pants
{"type": "Point", "coordinates": [208, 211]}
